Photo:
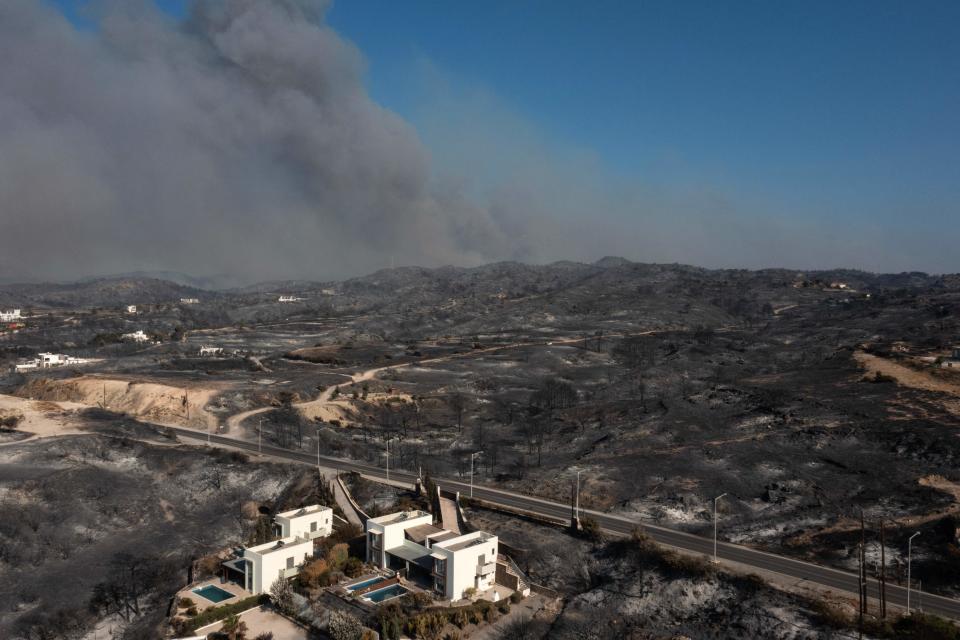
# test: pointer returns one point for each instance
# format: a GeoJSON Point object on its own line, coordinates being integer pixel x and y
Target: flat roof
{"type": "Point", "coordinates": [409, 550]}
{"type": "Point", "coordinates": [402, 516]}
{"type": "Point", "coordinates": [463, 542]}
{"type": "Point", "coordinates": [303, 511]}
{"type": "Point", "coordinates": [421, 532]}
{"type": "Point", "coordinates": [277, 545]}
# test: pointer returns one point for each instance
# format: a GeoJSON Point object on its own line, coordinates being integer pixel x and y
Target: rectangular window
{"type": "Point", "coordinates": [290, 562]}
{"type": "Point", "coordinates": [313, 526]}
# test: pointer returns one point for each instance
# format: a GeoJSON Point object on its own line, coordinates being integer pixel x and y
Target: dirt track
{"type": "Point", "coordinates": [912, 378]}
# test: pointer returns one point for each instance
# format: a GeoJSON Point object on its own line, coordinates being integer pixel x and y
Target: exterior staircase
{"type": "Point", "coordinates": [509, 575]}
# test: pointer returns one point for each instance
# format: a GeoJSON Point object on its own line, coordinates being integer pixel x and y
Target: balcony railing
{"type": "Point", "coordinates": [288, 573]}
{"type": "Point", "coordinates": [486, 569]}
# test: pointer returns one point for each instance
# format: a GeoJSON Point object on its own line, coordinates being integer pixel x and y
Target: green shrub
{"type": "Point", "coordinates": [192, 611]}
{"type": "Point", "coordinates": [516, 597]}
{"type": "Point", "coordinates": [213, 614]}
{"type": "Point", "coordinates": [921, 626]}
{"type": "Point", "coordinates": [186, 603]}
{"type": "Point", "coordinates": [503, 606]}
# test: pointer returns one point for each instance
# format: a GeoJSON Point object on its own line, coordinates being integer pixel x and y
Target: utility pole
{"type": "Point", "coordinates": [260, 437]}
{"type": "Point", "coordinates": [863, 568]}
{"type": "Point", "coordinates": [883, 573]}
{"type": "Point", "coordinates": [909, 566]}
{"type": "Point", "coordinates": [715, 501]}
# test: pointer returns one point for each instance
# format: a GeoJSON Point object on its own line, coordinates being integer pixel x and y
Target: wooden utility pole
{"type": "Point", "coordinates": [883, 574]}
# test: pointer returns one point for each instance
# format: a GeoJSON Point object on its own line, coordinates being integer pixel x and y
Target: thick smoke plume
{"type": "Point", "coordinates": [240, 141]}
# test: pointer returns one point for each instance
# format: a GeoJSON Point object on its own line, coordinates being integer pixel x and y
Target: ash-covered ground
{"type": "Point", "coordinates": [809, 398]}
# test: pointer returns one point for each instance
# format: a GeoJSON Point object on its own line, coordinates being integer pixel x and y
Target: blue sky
{"type": "Point", "coordinates": [846, 105]}
{"type": "Point", "coordinates": [820, 113]}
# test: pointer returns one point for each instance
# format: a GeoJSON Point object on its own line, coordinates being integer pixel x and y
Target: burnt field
{"type": "Point", "coordinates": [663, 385]}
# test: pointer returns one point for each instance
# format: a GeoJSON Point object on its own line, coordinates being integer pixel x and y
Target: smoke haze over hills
{"type": "Point", "coordinates": [243, 141]}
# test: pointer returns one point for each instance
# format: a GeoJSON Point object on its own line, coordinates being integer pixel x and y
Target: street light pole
{"type": "Point", "coordinates": [576, 504]}
{"type": "Point", "coordinates": [909, 561]}
{"type": "Point", "coordinates": [715, 501]}
{"type": "Point", "coordinates": [388, 459]}
{"type": "Point", "coordinates": [472, 455]}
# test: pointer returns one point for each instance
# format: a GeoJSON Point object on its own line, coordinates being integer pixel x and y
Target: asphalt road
{"type": "Point", "coordinates": [760, 560]}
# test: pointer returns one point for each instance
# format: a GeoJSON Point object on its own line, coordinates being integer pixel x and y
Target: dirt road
{"type": "Point", "coordinates": [908, 377]}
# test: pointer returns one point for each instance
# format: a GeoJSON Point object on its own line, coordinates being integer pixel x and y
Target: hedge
{"type": "Point", "coordinates": [213, 614]}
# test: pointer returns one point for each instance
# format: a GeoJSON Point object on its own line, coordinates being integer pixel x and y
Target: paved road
{"type": "Point", "coordinates": [760, 560]}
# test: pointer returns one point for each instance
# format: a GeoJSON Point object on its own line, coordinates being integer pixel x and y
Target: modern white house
{"type": "Point", "coordinates": [453, 563]}
{"type": "Point", "coordinates": [189, 300]}
{"type": "Point", "coordinates": [10, 316]}
{"type": "Point", "coordinates": [49, 361]}
{"type": "Point", "coordinates": [256, 568]}
{"type": "Point", "coordinates": [259, 566]}
{"type": "Point", "coordinates": [136, 336]}
{"type": "Point", "coordinates": [131, 308]}
{"type": "Point", "coordinates": [211, 351]}
{"type": "Point", "coordinates": [314, 521]}
{"type": "Point", "coordinates": [289, 299]}
{"type": "Point", "coordinates": [465, 562]}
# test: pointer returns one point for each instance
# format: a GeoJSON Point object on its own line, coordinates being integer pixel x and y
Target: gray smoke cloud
{"type": "Point", "coordinates": [241, 141]}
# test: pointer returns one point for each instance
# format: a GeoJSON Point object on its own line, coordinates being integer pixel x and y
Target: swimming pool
{"type": "Point", "coordinates": [213, 594]}
{"type": "Point", "coordinates": [387, 593]}
{"type": "Point", "coordinates": [363, 585]}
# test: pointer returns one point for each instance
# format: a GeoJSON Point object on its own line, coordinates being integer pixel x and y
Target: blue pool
{"type": "Point", "coordinates": [366, 583]}
{"type": "Point", "coordinates": [213, 594]}
{"type": "Point", "coordinates": [388, 593]}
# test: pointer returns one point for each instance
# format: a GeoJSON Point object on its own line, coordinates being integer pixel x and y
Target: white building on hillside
{"type": "Point", "coordinates": [290, 299]}
{"type": "Point", "coordinates": [314, 521]}
{"type": "Point", "coordinates": [465, 562]}
{"type": "Point", "coordinates": [211, 351]}
{"type": "Point", "coordinates": [131, 308]}
{"type": "Point", "coordinates": [10, 316]}
{"type": "Point", "coordinates": [454, 563]}
{"type": "Point", "coordinates": [50, 361]}
{"type": "Point", "coordinates": [257, 568]}
{"type": "Point", "coordinates": [136, 336]}
{"type": "Point", "coordinates": [260, 566]}
{"type": "Point", "coordinates": [189, 300]}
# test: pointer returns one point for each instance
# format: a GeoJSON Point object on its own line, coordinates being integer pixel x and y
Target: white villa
{"type": "Point", "coordinates": [314, 521]}
{"type": "Point", "coordinates": [131, 308]}
{"type": "Point", "coordinates": [257, 568]}
{"type": "Point", "coordinates": [289, 299]}
{"type": "Point", "coordinates": [408, 541]}
{"type": "Point", "coordinates": [189, 300]}
{"type": "Point", "coordinates": [260, 566]}
{"type": "Point", "coordinates": [49, 361]}
{"type": "Point", "coordinates": [10, 316]}
{"type": "Point", "coordinates": [211, 351]}
{"type": "Point", "coordinates": [136, 336]}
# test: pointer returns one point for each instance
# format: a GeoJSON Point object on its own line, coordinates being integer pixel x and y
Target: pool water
{"type": "Point", "coordinates": [364, 584]}
{"type": "Point", "coordinates": [388, 593]}
{"type": "Point", "coordinates": [213, 594]}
